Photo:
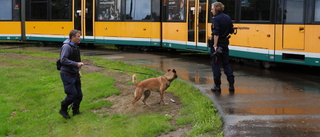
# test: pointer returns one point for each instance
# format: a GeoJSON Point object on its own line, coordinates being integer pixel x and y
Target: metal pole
{"type": "Point", "coordinates": [161, 22]}
{"type": "Point", "coordinates": [23, 20]}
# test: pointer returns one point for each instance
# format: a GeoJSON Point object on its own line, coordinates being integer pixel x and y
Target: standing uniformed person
{"type": "Point", "coordinates": [222, 27]}
{"type": "Point", "coordinates": [70, 74]}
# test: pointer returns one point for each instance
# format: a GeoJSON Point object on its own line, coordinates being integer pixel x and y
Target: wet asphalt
{"type": "Point", "coordinates": [280, 102]}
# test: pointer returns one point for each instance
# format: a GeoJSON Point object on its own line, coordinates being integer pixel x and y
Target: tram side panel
{"type": "Point", "coordinates": [48, 30]}
{"type": "Point", "coordinates": [175, 35]}
{"type": "Point", "coordinates": [48, 20]}
{"type": "Point", "coordinates": [155, 39]}
{"type": "Point", "coordinates": [253, 41]}
{"type": "Point", "coordinates": [298, 46]}
{"type": "Point", "coordinates": [10, 30]}
{"type": "Point", "coordinates": [128, 33]}
{"type": "Point", "coordinates": [10, 25]}
{"type": "Point", "coordinates": [128, 22]}
{"type": "Point", "coordinates": [298, 33]}
{"type": "Point", "coordinates": [312, 43]}
{"type": "Point", "coordinates": [110, 32]}
{"type": "Point", "coordinates": [138, 33]}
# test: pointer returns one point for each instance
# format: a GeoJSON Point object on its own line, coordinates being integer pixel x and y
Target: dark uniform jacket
{"type": "Point", "coordinates": [222, 25]}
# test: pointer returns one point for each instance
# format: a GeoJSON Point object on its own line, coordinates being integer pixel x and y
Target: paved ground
{"type": "Point", "coordinates": [269, 104]}
{"type": "Point", "coordinates": [252, 114]}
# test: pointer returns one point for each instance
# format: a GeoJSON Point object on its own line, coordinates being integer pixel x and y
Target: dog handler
{"type": "Point", "coordinates": [70, 74]}
{"type": "Point", "coordinates": [222, 27]}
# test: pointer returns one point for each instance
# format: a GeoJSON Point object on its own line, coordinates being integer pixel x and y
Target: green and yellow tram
{"type": "Point", "coordinates": [285, 31]}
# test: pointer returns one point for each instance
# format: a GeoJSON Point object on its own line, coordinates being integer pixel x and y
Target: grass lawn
{"type": "Point", "coordinates": [31, 91]}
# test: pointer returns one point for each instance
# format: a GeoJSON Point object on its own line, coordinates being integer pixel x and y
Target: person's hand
{"type": "Point", "coordinates": [80, 75]}
{"type": "Point", "coordinates": [218, 50]}
{"type": "Point", "coordinates": [80, 64]}
{"type": "Point", "coordinates": [215, 47]}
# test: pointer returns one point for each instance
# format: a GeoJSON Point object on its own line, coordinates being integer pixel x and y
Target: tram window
{"type": "Point", "coordinates": [38, 9]}
{"type": "Point", "coordinates": [176, 10]}
{"type": "Point", "coordinates": [108, 10]}
{"type": "Point", "coordinates": [5, 10]}
{"type": "Point", "coordinates": [229, 8]}
{"type": "Point", "coordinates": [138, 9]}
{"type": "Point", "coordinates": [16, 10]}
{"type": "Point", "coordinates": [155, 10]}
{"type": "Point", "coordinates": [60, 9]}
{"type": "Point", "coordinates": [317, 11]}
{"type": "Point", "coordinates": [294, 11]}
{"type": "Point", "coordinates": [255, 10]}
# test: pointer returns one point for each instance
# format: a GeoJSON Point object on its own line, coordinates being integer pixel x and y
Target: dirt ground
{"type": "Point", "coordinates": [122, 103]}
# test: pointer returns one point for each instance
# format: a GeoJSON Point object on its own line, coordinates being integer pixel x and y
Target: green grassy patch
{"type": "Point", "coordinates": [31, 91]}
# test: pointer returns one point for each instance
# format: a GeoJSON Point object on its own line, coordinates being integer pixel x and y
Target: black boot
{"type": "Point", "coordinates": [64, 112]}
{"type": "Point", "coordinates": [76, 112]}
{"type": "Point", "coordinates": [231, 87]}
{"type": "Point", "coordinates": [216, 88]}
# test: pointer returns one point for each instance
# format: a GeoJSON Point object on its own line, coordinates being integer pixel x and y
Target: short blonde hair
{"type": "Point", "coordinates": [218, 6]}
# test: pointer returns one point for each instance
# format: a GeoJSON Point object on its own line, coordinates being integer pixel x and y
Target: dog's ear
{"type": "Point", "coordinates": [169, 70]}
{"type": "Point", "coordinates": [174, 71]}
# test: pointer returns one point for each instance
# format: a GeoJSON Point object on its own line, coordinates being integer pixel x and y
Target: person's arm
{"type": "Point", "coordinates": [215, 41]}
{"type": "Point", "coordinates": [215, 33]}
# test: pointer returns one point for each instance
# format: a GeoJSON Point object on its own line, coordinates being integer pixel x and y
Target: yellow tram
{"type": "Point", "coordinates": [285, 31]}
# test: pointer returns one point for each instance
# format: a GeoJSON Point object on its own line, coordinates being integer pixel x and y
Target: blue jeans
{"type": "Point", "coordinates": [72, 87]}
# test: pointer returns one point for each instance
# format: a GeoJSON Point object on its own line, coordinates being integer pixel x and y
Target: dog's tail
{"type": "Point", "coordinates": [134, 79]}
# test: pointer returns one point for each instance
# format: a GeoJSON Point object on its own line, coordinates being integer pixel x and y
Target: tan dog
{"type": "Point", "coordinates": [159, 84]}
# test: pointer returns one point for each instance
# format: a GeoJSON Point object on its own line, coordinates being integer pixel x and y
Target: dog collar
{"type": "Point", "coordinates": [165, 77]}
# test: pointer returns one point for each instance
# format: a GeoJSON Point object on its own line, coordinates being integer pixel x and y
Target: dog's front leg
{"type": "Point", "coordinates": [162, 97]}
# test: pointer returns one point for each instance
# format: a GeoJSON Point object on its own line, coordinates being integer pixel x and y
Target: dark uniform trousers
{"type": "Point", "coordinates": [72, 87]}
{"type": "Point", "coordinates": [221, 59]}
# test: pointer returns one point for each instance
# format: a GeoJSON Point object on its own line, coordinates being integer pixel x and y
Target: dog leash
{"type": "Point", "coordinates": [123, 70]}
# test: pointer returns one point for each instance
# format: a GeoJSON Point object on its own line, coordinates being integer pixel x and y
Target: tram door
{"type": "Point", "coordinates": [83, 18]}
{"type": "Point", "coordinates": [197, 24]}
{"type": "Point", "coordinates": [293, 24]}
